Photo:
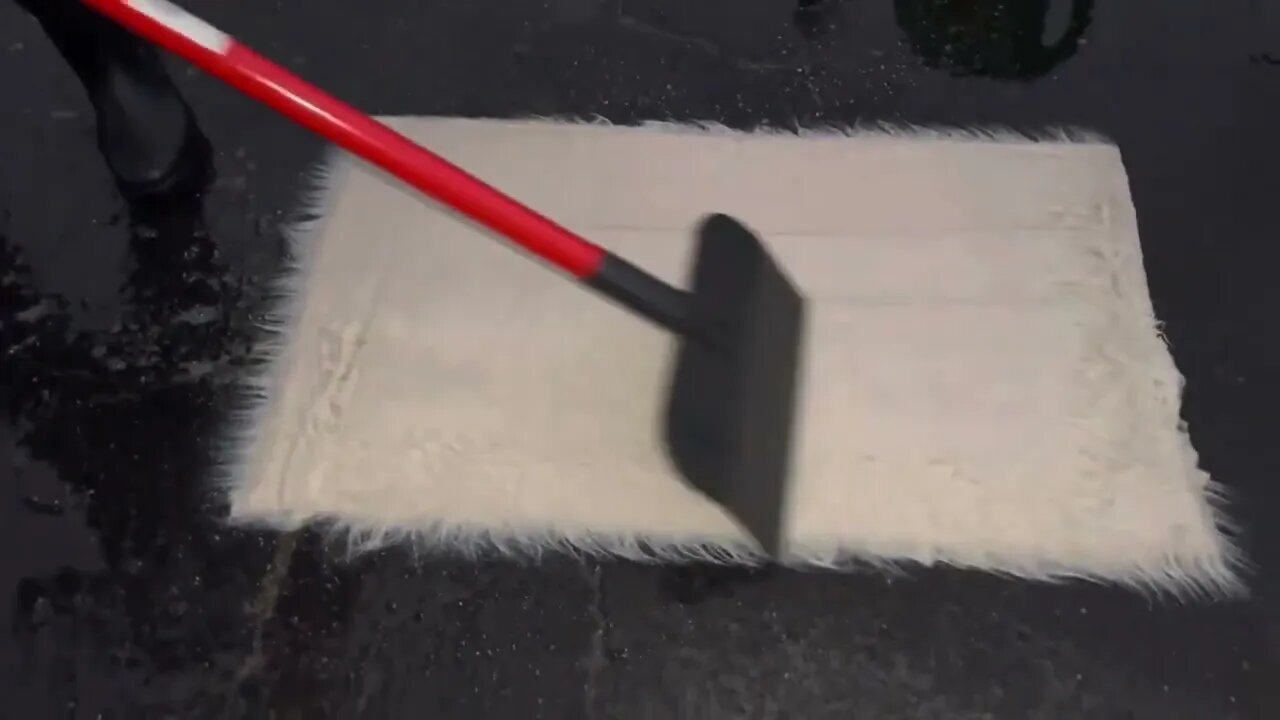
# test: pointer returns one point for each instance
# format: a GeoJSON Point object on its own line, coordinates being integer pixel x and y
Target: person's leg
{"type": "Point", "coordinates": [146, 132]}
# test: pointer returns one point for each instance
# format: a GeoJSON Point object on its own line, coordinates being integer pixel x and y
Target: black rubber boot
{"type": "Point", "coordinates": [147, 133]}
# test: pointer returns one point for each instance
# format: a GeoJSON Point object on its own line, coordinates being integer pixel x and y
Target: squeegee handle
{"type": "Point", "coordinates": [217, 53]}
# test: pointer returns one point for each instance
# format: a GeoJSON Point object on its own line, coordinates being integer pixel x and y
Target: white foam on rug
{"type": "Point", "coordinates": [985, 382]}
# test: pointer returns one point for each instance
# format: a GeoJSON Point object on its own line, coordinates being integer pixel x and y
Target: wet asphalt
{"type": "Point", "coordinates": [125, 329]}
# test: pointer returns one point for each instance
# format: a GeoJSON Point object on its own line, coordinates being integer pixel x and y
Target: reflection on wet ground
{"type": "Point", "coordinates": [117, 414]}
{"type": "Point", "coordinates": [993, 38]}
{"type": "Point", "coordinates": [124, 328]}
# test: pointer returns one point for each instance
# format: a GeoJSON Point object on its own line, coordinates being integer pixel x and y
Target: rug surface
{"type": "Point", "coordinates": [985, 383]}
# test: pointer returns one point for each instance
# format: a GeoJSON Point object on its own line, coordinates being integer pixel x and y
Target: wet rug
{"type": "Point", "coordinates": [985, 383]}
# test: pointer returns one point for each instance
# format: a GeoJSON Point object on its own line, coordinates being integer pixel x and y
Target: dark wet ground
{"type": "Point", "coordinates": [128, 598]}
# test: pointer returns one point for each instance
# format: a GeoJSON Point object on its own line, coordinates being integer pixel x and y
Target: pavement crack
{"type": "Point", "coordinates": [637, 25]}
{"type": "Point", "coordinates": [262, 610]}
{"type": "Point", "coordinates": [695, 42]}
{"type": "Point", "coordinates": [596, 657]}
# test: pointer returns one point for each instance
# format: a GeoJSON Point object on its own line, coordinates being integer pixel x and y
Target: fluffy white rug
{"type": "Point", "coordinates": [986, 385]}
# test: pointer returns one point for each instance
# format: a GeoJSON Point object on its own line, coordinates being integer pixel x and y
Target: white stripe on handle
{"type": "Point", "coordinates": [183, 23]}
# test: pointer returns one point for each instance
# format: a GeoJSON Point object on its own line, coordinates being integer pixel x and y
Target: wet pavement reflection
{"type": "Point", "coordinates": [125, 327]}
{"type": "Point", "coordinates": [992, 38]}
{"type": "Point", "coordinates": [117, 415]}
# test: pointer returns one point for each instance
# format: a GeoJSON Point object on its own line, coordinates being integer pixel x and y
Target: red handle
{"type": "Point", "coordinates": [217, 53]}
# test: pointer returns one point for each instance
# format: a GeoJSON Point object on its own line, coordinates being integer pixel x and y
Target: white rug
{"type": "Point", "coordinates": [986, 386]}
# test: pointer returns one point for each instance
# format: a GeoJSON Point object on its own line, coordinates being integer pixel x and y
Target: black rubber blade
{"type": "Point", "coordinates": [731, 415]}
